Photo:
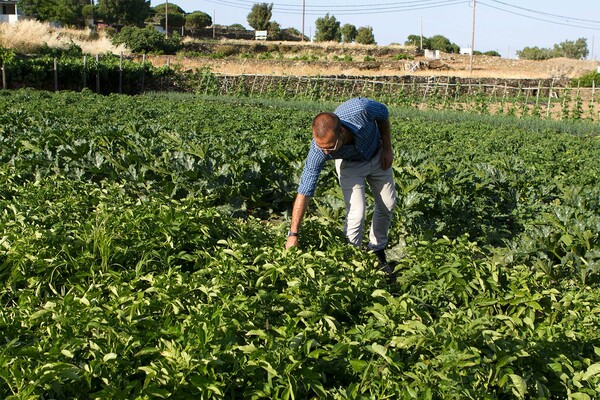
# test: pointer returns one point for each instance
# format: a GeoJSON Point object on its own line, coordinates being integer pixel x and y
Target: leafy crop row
{"type": "Point", "coordinates": [104, 74]}
{"type": "Point", "coordinates": [141, 256]}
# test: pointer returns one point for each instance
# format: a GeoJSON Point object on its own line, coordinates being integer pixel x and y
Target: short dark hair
{"type": "Point", "coordinates": [325, 122]}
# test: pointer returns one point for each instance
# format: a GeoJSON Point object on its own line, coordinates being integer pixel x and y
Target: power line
{"type": "Point", "coordinates": [381, 8]}
{"type": "Point", "coordinates": [540, 19]}
{"type": "Point", "coordinates": [549, 14]}
{"type": "Point", "coordinates": [331, 6]}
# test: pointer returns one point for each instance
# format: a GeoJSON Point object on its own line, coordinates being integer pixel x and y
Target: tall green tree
{"type": "Point", "coordinates": [259, 17]}
{"type": "Point", "coordinates": [66, 12]}
{"type": "Point", "coordinates": [274, 30]}
{"type": "Point", "coordinates": [175, 20]}
{"type": "Point", "coordinates": [197, 20]}
{"type": "Point", "coordinates": [328, 29]}
{"type": "Point", "coordinates": [348, 33]}
{"type": "Point", "coordinates": [171, 7]}
{"type": "Point", "coordinates": [364, 35]}
{"type": "Point", "coordinates": [124, 12]}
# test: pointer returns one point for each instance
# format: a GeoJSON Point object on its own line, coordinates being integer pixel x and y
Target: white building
{"type": "Point", "coordinates": [9, 12]}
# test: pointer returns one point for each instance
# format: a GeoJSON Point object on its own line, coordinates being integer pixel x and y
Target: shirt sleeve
{"type": "Point", "coordinates": [312, 168]}
{"type": "Point", "coordinates": [377, 111]}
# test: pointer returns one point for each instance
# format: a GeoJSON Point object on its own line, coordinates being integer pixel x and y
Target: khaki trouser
{"type": "Point", "coordinates": [352, 176]}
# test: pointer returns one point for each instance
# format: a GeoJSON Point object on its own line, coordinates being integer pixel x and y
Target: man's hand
{"type": "Point", "coordinates": [300, 205]}
{"type": "Point", "coordinates": [292, 241]}
{"type": "Point", "coordinates": [387, 157]}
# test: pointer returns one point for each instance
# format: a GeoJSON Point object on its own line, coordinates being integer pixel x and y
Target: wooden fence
{"type": "Point", "coordinates": [548, 97]}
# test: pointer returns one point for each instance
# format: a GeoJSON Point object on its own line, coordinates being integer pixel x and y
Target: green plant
{"type": "Point", "coordinates": [403, 56]}
{"type": "Point", "coordinates": [142, 254]}
{"type": "Point", "coordinates": [345, 58]}
{"type": "Point", "coordinates": [147, 40]}
{"type": "Point", "coordinates": [587, 80]}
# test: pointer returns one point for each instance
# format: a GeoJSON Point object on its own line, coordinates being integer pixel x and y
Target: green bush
{"type": "Point", "coordinates": [403, 56]}
{"type": "Point", "coordinates": [588, 80]}
{"type": "Point", "coordinates": [147, 40]}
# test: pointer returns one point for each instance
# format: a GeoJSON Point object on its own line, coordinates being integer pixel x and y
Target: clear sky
{"type": "Point", "coordinates": [501, 25]}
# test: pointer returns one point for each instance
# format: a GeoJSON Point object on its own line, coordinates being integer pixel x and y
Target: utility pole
{"type": "Point", "coordinates": [167, 18]}
{"type": "Point", "coordinates": [421, 47]}
{"type": "Point", "coordinates": [303, 1]}
{"type": "Point", "coordinates": [92, 14]}
{"type": "Point", "coordinates": [472, 38]}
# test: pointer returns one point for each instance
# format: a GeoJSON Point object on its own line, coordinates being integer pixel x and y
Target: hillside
{"type": "Point", "coordinates": [310, 59]}
{"type": "Point", "coordinates": [234, 57]}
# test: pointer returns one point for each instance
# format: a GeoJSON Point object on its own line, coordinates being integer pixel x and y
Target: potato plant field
{"type": "Point", "coordinates": [142, 256]}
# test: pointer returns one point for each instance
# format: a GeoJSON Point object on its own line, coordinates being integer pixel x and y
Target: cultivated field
{"type": "Point", "coordinates": [142, 237]}
{"type": "Point", "coordinates": [142, 256]}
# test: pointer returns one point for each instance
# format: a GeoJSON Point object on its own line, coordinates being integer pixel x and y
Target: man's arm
{"type": "Point", "coordinates": [386, 138]}
{"type": "Point", "coordinates": [298, 211]}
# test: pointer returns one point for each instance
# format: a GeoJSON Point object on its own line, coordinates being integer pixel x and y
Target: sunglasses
{"type": "Point", "coordinates": [334, 148]}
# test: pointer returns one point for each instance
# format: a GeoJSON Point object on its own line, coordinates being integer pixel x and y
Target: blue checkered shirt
{"type": "Point", "coordinates": [360, 116]}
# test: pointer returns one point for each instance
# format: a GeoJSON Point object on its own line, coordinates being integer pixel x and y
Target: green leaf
{"type": "Point", "coordinates": [592, 370]}
{"type": "Point", "coordinates": [67, 353]}
{"type": "Point", "coordinates": [258, 332]}
{"type": "Point", "coordinates": [358, 365]}
{"type": "Point", "coordinates": [580, 396]}
{"type": "Point", "coordinates": [379, 349]}
{"type": "Point", "coordinates": [567, 239]}
{"type": "Point", "coordinates": [248, 349]}
{"type": "Point", "coordinates": [519, 386]}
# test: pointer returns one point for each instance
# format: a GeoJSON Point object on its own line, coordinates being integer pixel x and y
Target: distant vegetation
{"type": "Point", "coordinates": [117, 15]}
{"type": "Point", "coordinates": [570, 49]}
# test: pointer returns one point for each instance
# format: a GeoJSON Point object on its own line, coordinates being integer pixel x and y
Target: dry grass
{"type": "Point", "coordinates": [30, 36]}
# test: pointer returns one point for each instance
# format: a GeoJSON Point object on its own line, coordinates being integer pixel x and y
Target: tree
{"type": "Point", "coordinates": [365, 35]}
{"type": "Point", "coordinates": [172, 9]}
{"type": "Point", "coordinates": [328, 29]}
{"type": "Point", "coordinates": [534, 53]}
{"type": "Point", "coordinates": [415, 40]}
{"type": "Point", "coordinates": [89, 11]}
{"type": "Point", "coordinates": [236, 27]}
{"type": "Point", "coordinates": [348, 33]}
{"type": "Point", "coordinates": [492, 53]}
{"type": "Point", "coordinates": [260, 16]}
{"type": "Point", "coordinates": [174, 20]}
{"type": "Point", "coordinates": [124, 12]}
{"type": "Point", "coordinates": [273, 30]}
{"type": "Point", "coordinates": [66, 12]}
{"type": "Point", "coordinates": [442, 43]}
{"type": "Point", "coordinates": [291, 34]}
{"type": "Point", "coordinates": [147, 40]}
{"type": "Point", "coordinates": [197, 20]}
{"type": "Point", "coordinates": [572, 49]}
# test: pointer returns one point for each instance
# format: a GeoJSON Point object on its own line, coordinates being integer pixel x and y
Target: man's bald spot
{"type": "Point", "coordinates": [324, 123]}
